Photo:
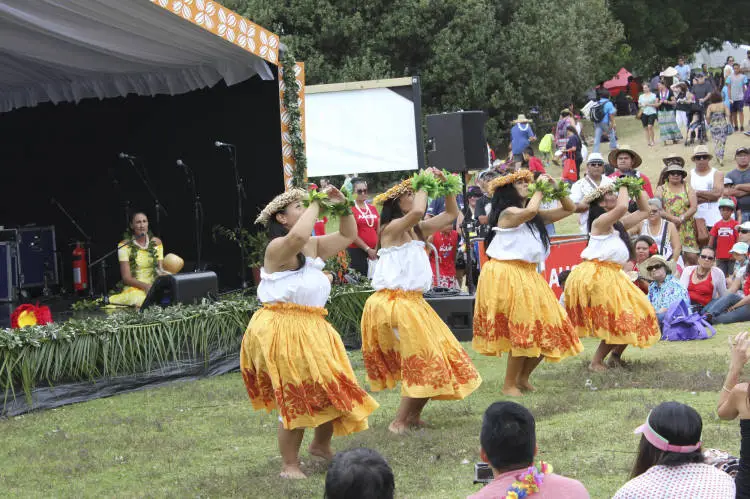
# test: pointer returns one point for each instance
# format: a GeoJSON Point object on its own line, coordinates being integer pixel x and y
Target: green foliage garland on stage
{"type": "Point", "coordinates": [291, 102]}
{"type": "Point", "coordinates": [128, 342]}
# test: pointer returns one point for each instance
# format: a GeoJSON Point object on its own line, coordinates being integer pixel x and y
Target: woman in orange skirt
{"type": "Point", "coordinates": [403, 338]}
{"type": "Point", "coordinates": [600, 298]}
{"type": "Point", "coordinates": [515, 310]}
{"type": "Point", "coordinates": [292, 360]}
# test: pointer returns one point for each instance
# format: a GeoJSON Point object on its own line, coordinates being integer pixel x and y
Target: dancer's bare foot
{"type": "Point", "coordinates": [512, 391]}
{"type": "Point", "coordinates": [321, 452]}
{"type": "Point", "coordinates": [419, 423]}
{"type": "Point", "coordinates": [616, 361]}
{"type": "Point", "coordinates": [292, 472]}
{"type": "Point", "coordinates": [398, 428]}
{"type": "Point", "coordinates": [597, 367]}
{"type": "Point", "coordinates": [525, 386]}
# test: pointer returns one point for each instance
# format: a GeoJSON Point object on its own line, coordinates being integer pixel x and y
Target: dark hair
{"type": "Point", "coordinates": [680, 424]}
{"type": "Point", "coordinates": [603, 93]}
{"type": "Point", "coordinates": [360, 473]}
{"type": "Point", "coordinates": [565, 112]}
{"type": "Point", "coordinates": [358, 180]}
{"type": "Point", "coordinates": [529, 150]}
{"type": "Point", "coordinates": [390, 212]}
{"type": "Point", "coordinates": [562, 277]}
{"type": "Point", "coordinates": [135, 213]}
{"type": "Point", "coordinates": [646, 239]}
{"type": "Point", "coordinates": [595, 211]}
{"type": "Point", "coordinates": [707, 248]}
{"type": "Point", "coordinates": [715, 97]}
{"type": "Point", "coordinates": [571, 128]}
{"type": "Point", "coordinates": [275, 229]}
{"type": "Point", "coordinates": [508, 436]}
{"type": "Point", "coordinates": [505, 197]}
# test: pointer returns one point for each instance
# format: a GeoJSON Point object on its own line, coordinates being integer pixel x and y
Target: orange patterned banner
{"type": "Point", "coordinates": [227, 24]}
{"type": "Point", "coordinates": [286, 146]}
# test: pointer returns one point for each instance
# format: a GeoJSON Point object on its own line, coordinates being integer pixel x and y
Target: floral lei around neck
{"type": "Point", "coordinates": [528, 482]}
{"type": "Point", "coordinates": [151, 248]}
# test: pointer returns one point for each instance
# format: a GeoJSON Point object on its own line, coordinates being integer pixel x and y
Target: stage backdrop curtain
{"type": "Point", "coordinates": [68, 50]}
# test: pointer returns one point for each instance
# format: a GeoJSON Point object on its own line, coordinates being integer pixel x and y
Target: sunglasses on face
{"type": "Point", "coordinates": [653, 212]}
{"type": "Point", "coordinates": [702, 157]}
{"type": "Point", "coordinates": [361, 191]}
{"type": "Point", "coordinates": [744, 231]}
{"type": "Point", "coordinates": [653, 267]}
{"type": "Point", "coordinates": [708, 257]}
{"type": "Point", "coordinates": [596, 164]}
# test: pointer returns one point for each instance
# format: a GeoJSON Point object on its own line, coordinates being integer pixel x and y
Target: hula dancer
{"type": "Point", "coordinates": [292, 359]}
{"type": "Point", "coordinates": [516, 311]}
{"type": "Point", "coordinates": [402, 336]}
{"type": "Point", "coordinates": [600, 298]}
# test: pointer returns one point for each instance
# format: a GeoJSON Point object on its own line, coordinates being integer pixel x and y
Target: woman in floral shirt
{"type": "Point", "coordinates": [664, 289]}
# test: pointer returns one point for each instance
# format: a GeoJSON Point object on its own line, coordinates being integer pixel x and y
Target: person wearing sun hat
{"type": "Point", "coordinates": [515, 310]}
{"type": "Point", "coordinates": [724, 235]}
{"type": "Point", "coordinates": [670, 462]}
{"type": "Point", "coordinates": [708, 184]}
{"type": "Point", "coordinates": [664, 289]}
{"type": "Point", "coordinates": [291, 359]}
{"type": "Point", "coordinates": [625, 159]}
{"type": "Point", "coordinates": [521, 136]}
{"type": "Point", "coordinates": [680, 204]}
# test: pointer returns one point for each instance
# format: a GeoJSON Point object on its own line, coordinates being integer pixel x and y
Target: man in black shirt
{"type": "Point", "coordinates": [741, 178]}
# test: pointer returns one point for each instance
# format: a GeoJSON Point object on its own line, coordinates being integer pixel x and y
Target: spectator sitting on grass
{"type": "Point", "coordinates": [360, 473]}
{"type": "Point", "coordinates": [508, 439]}
{"type": "Point", "coordinates": [670, 463]}
{"type": "Point", "coordinates": [664, 289]}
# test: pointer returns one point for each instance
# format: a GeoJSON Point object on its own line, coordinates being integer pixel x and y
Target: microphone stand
{"type": "Point", "coordinates": [467, 240]}
{"type": "Point", "coordinates": [240, 188]}
{"type": "Point", "coordinates": [103, 262]}
{"type": "Point", "coordinates": [157, 205]}
{"type": "Point", "coordinates": [197, 213]}
{"type": "Point", "coordinates": [86, 237]}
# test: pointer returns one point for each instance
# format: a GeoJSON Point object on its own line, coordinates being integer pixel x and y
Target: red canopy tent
{"type": "Point", "coordinates": [619, 83]}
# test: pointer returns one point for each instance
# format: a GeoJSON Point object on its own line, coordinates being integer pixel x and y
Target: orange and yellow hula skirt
{"type": "Point", "coordinates": [404, 339]}
{"type": "Point", "coordinates": [294, 361]}
{"type": "Point", "coordinates": [516, 311]}
{"type": "Point", "coordinates": [603, 302]}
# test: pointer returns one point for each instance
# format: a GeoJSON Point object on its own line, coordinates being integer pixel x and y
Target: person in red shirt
{"type": "Point", "coordinates": [319, 229]}
{"type": "Point", "coordinates": [724, 235]}
{"type": "Point", "coordinates": [446, 243]}
{"type": "Point", "coordinates": [366, 215]}
{"type": "Point", "coordinates": [533, 163]}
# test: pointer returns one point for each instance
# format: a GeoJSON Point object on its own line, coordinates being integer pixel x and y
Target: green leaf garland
{"type": "Point", "coordinates": [426, 181]}
{"type": "Point", "coordinates": [546, 188]}
{"type": "Point", "coordinates": [291, 103]}
{"type": "Point", "coordinates": [634, 185]}
{"type": "Point", "coordinates": [452, 185]}
{"type": "Point", "coordinates": [133, 253]}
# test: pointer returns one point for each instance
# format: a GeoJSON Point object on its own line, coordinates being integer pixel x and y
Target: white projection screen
{"type": "Point", "coordinates": [363, 127]}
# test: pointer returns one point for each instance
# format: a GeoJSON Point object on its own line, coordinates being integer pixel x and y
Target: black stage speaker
{"type": "Point", "coordinates": [456, 141]}
{"type": "Point", "coordinates": [182, 288]}
{"type": "Point", "coordinates": [457, 312]}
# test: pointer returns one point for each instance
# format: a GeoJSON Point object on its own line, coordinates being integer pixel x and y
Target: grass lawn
{"type": "Point", "coordinates": [202, 439]}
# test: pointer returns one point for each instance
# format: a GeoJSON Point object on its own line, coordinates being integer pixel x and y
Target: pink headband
{"type": "Point", "coordinates": [662, 443]}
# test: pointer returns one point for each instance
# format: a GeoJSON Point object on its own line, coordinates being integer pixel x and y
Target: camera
{"type": "Point", "coordinates": [483, 473]}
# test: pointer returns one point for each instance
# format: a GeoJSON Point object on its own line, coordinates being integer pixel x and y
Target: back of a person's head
{"type": "Point", "coordinates": [679, 425]}
{"type": "Point", "coordinates": [359, 473]}
{"type": "Point", "coordinates": [508, 436]}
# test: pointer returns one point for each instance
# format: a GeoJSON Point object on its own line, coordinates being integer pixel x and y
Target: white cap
{"type": "Point", "coordinates": [595, 156]}
{"type": "Point", "coordinates": [745, 226]}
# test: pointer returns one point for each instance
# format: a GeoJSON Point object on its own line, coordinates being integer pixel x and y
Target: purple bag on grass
{"type": "Point", "coordinates": [681, 324]}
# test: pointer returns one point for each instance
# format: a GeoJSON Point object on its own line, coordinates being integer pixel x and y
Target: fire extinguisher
{"type": "Point", "coordinates": [80, 272]}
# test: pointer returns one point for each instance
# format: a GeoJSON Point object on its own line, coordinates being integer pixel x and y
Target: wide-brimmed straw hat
{"type": "Point", "coordinates": [701, 151]}
{"type": "Point", "coordinates": [670, 72]}
{"type": "Point", "coordinates": [637, 160]}
{"type": "Point", "coordinates": [674, 167]}
{"type": "Point", "coordinates": [654, 260]}
{"type": "Point", "coordinates": [172, 263]}
{"type": "Point", "coordinates": [672, 158]}
{"type": "Point", "coordinates": [521, 119]}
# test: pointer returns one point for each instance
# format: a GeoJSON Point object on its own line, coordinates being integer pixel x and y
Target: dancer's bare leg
{"type": "Point", "coordinates": [415, 418]}
{"type": "Point", "coordinates": [512, 372]}
{"type": "Point", "coordinates": [406, 411]}
{"type": "Point", "coordinates": [321, 444]}
{"type": "Point", "coordinates": [614, 358]}
{"type": "Point", "coordinates": [597, 363]}
{"type": "Point", "coordinates": [529, 364]}
{"type": "Point", "coordinates": [289, 443]}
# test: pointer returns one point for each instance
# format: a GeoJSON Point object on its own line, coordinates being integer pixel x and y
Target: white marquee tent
{"type": "Point", "coordinates": [68, 50]}
{"type": "Point", "coordinates": [717, 58]}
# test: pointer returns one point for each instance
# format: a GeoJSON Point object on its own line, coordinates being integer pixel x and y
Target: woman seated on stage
{"type": "Point", "coordinates": [141, 256]}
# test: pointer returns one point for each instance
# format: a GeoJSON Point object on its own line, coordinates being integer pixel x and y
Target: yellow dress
{"type": "Point", "coordinates": [515, 310]}
{"type": "Point", "coordinates": [404, 339]}
{"type": "Point", "coordinates": [602, 301]}
{"type": "Point", "coordinates": [293, 360]}
{"type": "Point", "coordinates": [144, 272]}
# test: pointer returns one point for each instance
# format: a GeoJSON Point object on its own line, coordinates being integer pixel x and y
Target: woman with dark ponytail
{"type": "Point", "coordinates": [515, 310]}
{"type": "Point", "coordinates": [292, 360]}
{"type": "Point", "coordinates": [600, 298]}
{"type": "Point", "coordinates": [403, 338]}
